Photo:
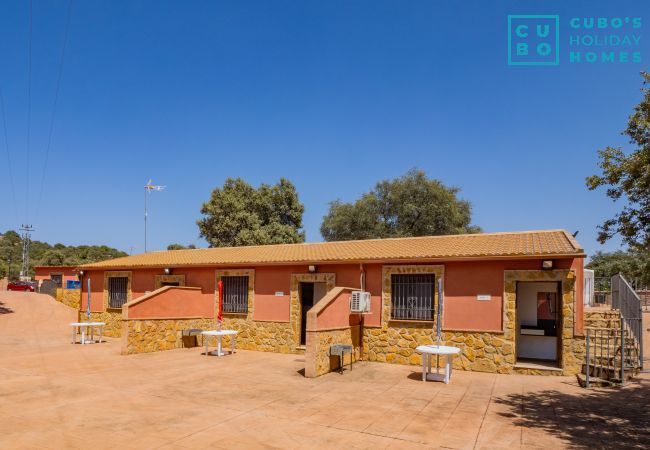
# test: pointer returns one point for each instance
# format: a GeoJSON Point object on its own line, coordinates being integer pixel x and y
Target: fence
{"type": "Point", "coordinates": [611, 354]}
{"type": "Point", "coordinates": [626, 300]}
{"type": "Point", "coordinates": [603, 292]}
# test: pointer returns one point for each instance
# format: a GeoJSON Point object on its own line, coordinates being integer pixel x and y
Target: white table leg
{"type": "Point", "coordinates": [100, 333]}
{"type": "Point", "coordinates": [74, 335]}
{"type": "Point", "coordinates": [218, 345]}
{"type": "Point", "coordinates": [206, 339]}
{"type": "Point", "coordinates": [92, 334]}
{"type": "Point", "coordinates": [232, 344]}
{"type": "Point", "coordinates": [83, 335]}
{"type": "Point", "coordinates": [424, 366]}
{"type": "Point", "coordinates": [447, 369]}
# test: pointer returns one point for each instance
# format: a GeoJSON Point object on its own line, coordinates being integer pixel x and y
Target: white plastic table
{"type": "Point", "coordinates": [220, 334]}
{"type": "Point", "coordinates": [83, 326]}
{"type": "Point", "coordinates": [429, 350]}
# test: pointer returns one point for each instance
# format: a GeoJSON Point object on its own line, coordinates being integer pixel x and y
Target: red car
{"type": "Point", "coordinates": [25, 286]}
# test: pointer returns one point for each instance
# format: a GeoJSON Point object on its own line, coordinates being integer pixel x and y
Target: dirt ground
{"type": "Point", "coordinates": [57, 395]}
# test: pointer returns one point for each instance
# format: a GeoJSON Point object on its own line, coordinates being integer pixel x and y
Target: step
{"type": "Point", "coordinates": [593, 381]}
{"type": "Point", "coordinates": [633, 367]}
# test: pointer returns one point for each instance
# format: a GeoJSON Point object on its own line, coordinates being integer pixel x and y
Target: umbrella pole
{"type": "Point", "coordinates": [88, 302]}
{"type": "Point", "coordinates": [439, 321]}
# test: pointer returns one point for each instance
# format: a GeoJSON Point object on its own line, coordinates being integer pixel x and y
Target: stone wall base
{"type": "Point", "coordinates": [152, 335]}
{"type": "Point", "coordinates": [317, 357]}
{"type": "Point", "coordinates": [113, 320]}
{"type": "Point", "coordinates": [480, 352]}
{"type": "Point", "coordinates": [69, 297]}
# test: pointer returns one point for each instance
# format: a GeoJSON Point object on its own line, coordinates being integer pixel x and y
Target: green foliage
{"type": "Point", "coordinates": [44, 254]}
{"type": "Point", "coordinates": [180, 247]}
{"type": "Point", "coordinates": [411, 205]}
{"type": "Point", "coordinates": [237, 214]}
{"type": "Point", "coordinates": [628, 177]}
{"type": "Point", "coordinates": [635, 266]}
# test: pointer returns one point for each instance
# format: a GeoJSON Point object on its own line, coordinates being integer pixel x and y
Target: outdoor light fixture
{"type": "Point", "coordinates": [547, 264]}
{"type": "Point", "coordinates": [312, 268]}
{"type": "Point", "coordinates": [81, 272]}
{"type": "Point", "coordinates": [168, 270]}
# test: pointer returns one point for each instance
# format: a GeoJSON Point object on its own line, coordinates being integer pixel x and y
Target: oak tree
{"type": "Point", "coordinates": [238, 214]}
{"type": "Point", "coordinates": [411, 205]}
{"type": "Point", "coordinates": [627, 176]}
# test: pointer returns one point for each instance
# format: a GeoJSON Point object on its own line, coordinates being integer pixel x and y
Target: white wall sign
{"type": "Point", "coordinates": [279, 294]}
{"type": "Point", "coordinates": [483, 297]}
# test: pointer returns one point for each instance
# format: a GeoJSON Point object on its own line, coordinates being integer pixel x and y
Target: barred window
{"type": "Point", "coordinates": [235, 294]}
{"type": "Point", "coordinates": [117, 291]}
{"type": "Point", "coordinates": [412, 296]}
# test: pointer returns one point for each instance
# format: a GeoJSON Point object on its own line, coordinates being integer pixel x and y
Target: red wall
{"type": "Point", "coordinates": [172, 303]}
{"type": "Point", "coordinates": [272, 279]}
{"type": "Point", "coordinates": [143, 280]}
{"type": "Point", "coordinates": [337, 313]}
{"type": "Point", "coordinates": [43, 273]}
{"type": "Point", "coordinates": [463, 282]}
{"type": "Point", "coordinates": [268, 281]}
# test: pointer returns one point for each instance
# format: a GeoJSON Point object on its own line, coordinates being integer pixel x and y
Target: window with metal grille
{"type": "Point", "coordinates": [57, 279]}
{"type": "Point", "coordinates": [412, 296]}
{"type": "Point", "coordinates": [235, 294]}
{"type": "Point", "coordinates": [117, 291]}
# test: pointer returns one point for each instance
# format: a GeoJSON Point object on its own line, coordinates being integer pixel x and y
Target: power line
{"type": "Point", "coordinates": [56, 99]}
{"type": "Point", "coordinates": [29, 107]}
{"type": "Point", "coordinates": [9, 163]}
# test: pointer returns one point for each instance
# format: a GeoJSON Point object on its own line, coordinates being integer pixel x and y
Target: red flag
{"type": "Point", "coordinates": [220, 311]}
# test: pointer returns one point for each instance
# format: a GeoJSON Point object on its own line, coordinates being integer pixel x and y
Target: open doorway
{"type": "Point", "coordinates": [539, 319]}
{"type": "Point", "coordinates": [310, 294]}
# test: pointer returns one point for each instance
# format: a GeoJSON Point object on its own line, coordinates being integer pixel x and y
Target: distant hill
{"type": "Point", "coordinates": [44, 254]}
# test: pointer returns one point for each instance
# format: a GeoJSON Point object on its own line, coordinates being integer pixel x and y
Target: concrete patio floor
{"type": "Point", "coordinates": [57, 395]}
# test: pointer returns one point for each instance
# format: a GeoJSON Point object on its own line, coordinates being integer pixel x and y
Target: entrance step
{"type": "Point", "coordinates": [300, 349]}
{"type": "Point", "coordinates": [534, 368]}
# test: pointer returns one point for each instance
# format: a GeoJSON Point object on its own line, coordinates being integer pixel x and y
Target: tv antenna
{"type": "Point", "coordinates": [147, 190]}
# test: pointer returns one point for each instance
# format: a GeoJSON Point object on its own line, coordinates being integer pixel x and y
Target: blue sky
{"type": "Point", "coordinates": [332, 95]}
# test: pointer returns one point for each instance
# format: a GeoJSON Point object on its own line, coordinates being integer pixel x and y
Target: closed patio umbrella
{"type": "Point", "coordinates": [88, 302]}
{"type": "Point", "coordinates": [220, 304]}
{"type": "Point", "coordinates": [439, 311]}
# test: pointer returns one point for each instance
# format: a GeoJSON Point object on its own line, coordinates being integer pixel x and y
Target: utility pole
{"type": "Point", "coordinates": [27, 230]}
{"type": "Point", "coordinates": [147, 190]}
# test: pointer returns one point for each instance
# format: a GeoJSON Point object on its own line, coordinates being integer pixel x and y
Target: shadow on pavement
{"type": "Point", "coordinates": [4, 309]}
{"type": "Point", "coordinates": [603, 418]}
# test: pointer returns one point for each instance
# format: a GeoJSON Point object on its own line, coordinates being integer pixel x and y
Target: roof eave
{"type": "Point", "coordinates": [579, 254]}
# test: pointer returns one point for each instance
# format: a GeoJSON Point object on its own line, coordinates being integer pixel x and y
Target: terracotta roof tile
{"type": "Point", "coordinates": [465, 246]}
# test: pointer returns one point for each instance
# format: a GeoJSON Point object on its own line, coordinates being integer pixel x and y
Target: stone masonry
{"type": "Point", "coordinates": [152, 335]}
{"type": "Point", "coordinates": [69, 297]}
{"type": "Point", "coordinates": [323, 339]}
{"type": "Point", "coordinates": [112, 318]}
{"type": "Point", "coordinates": [395, 341]}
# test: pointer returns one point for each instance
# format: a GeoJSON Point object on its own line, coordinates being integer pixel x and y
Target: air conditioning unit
{"type": "Point", "coordinates": [360, 302]}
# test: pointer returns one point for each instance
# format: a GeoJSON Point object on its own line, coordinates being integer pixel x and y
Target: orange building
{"type": "Point", "coordinates": [513, 302]}
{"type": "Point", "coordinates": [59, 274]}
